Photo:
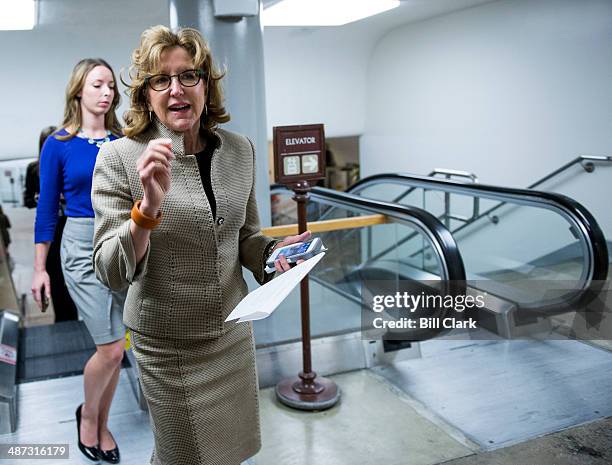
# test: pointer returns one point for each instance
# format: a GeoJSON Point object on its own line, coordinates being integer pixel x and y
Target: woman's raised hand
{"type": "Point", "coordinates": [153, 167]}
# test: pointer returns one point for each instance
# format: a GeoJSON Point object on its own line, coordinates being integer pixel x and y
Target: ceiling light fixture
{"type": "Point", "coordinates": [323, 12]}
{"type": "Point", "coordinates": [17, 15]}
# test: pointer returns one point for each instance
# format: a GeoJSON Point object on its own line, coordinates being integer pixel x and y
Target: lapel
{"type": "Point", "coordinates": [157, 130]}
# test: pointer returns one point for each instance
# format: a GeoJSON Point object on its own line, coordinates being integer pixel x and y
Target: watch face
{"type": "Point", "coordinates": [291, 165]}
{"type": "Point", "coordinates": [310, 163]}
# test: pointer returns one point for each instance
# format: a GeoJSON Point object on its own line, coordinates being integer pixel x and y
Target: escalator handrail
{"type": "Point", "coordinates": [440, 237]}
{"type": "Point", "coordinates": [591, 235]}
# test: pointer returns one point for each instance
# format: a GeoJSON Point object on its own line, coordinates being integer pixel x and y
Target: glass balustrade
{"type": "Point", "coordinates": [335, 284]}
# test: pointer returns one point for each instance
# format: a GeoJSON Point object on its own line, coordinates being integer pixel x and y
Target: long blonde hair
{"type": "Point", "coordinates": [72, 109]}
{"type": "Point", "coordinates": [146, 60]}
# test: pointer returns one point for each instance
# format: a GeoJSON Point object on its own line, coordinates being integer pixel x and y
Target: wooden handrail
{"type": "Point", "coordinates": [327, 225]}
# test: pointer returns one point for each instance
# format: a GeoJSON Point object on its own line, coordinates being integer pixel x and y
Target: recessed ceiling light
{"type": "Point", "coordinates": [17, 15]}
{"type": "Point", "coordinates": [323, 12]}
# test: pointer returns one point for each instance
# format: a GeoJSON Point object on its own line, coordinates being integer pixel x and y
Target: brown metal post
{"type": "Point", "coordinates": [306, 391]}
{"type": "Point", "coordinates": [301, 197]}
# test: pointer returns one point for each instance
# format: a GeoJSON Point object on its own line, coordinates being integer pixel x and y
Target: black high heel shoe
{"type": "Point", "coordinates": [91, 452]}
{"type": "Point", "coordinates": [111, 456]}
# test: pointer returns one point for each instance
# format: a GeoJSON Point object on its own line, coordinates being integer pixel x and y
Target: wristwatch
{"type": "Point", "coordinates": [269, 249]}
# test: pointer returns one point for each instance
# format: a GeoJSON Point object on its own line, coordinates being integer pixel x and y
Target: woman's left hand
{"type": "Point", "coordinates": [282, 264]}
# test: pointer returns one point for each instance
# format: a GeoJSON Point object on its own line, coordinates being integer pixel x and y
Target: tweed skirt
{"type": "Point", "coordinates": [202, 396]}
{"type": "Point", "coordinates": [100, 308]}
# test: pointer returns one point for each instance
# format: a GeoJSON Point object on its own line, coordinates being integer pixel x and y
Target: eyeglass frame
{"type": "Point", "coordinates": [199, 72]}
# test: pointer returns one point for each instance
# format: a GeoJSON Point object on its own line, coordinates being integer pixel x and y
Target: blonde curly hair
{"type": "Point", "coordinates": [146, 61]}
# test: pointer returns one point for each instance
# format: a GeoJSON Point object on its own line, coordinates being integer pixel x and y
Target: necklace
{"type": "Point", "coordinates": [92, 141]}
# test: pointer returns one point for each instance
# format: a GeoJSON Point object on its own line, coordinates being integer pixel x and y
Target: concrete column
{"type": "Point", "coordinates": [237, 45]}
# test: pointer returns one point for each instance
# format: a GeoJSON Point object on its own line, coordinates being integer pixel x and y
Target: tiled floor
{"type": "Point", "coordinates": [373, 424]}
{"type": "Point", "coordinates": [46, 415]}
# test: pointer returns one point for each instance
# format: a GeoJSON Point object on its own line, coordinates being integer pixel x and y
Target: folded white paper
{"type": "Point", "coordinates": [264, 300]}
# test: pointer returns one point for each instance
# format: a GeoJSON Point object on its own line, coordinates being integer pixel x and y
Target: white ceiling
{"type": "Point", "coordinates": [409, 11]}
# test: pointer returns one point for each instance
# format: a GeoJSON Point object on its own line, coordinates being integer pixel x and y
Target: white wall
{"type": "Point", "coordinates": [36, 64]}
{"type": "Point", "coordinates": [316, 76]}
{"type": "Point", "coordinates": [509, 90]}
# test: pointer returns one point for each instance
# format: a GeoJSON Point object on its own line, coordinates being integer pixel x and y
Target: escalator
{"type": "Point", "coordinates": [528, 370]}
{"type": "Point", "coordinates": [530, 252]}
{"type": "Point", "coordinates": [335, 293]}
{"type": "Point", "coordinates": [504, 228]}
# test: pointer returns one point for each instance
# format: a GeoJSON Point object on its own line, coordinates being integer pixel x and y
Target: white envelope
{"type": "Point", "coordinates": [264, 300]}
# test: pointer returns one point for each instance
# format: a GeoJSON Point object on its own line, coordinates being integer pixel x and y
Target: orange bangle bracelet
{"type": "Point", "coordinates": [143, 220]}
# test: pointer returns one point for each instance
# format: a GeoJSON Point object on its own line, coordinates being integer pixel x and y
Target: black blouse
{"type": "Point", "coordinates": [204, 165]}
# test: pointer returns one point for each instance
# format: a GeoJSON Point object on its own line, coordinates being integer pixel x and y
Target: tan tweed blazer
{"type": "Point", "coordinates": [190, 278]}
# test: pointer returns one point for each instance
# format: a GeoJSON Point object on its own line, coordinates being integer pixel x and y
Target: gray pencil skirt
{"type": "Point", "coordinates": [202, 396]}
{"type": "Point", "coordinates": [100, 308]}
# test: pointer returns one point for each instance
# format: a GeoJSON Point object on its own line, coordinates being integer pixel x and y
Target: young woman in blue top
{"type": "Point", "coordinates": [66, 167]}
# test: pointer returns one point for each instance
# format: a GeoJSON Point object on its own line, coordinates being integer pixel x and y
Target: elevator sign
{"type": "Point", "coordinates": [299, 153]}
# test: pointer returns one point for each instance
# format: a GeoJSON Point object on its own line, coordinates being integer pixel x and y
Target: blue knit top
{"type": "Point", "coordinates": [66, 167]}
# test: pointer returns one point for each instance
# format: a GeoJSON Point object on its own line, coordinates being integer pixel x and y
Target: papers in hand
{"type": "Point", "coordinates": [263, 301]}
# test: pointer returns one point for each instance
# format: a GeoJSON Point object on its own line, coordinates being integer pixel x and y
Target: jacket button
{"type": "Point", "coordinates": [220, 220]}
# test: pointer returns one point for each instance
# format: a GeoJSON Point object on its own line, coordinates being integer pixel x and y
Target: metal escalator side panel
{"type": "Point", "coordinates": [9, 334]}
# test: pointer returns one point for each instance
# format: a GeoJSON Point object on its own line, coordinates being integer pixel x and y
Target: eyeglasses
{"type": "Point", "coordinates": [160, 82]}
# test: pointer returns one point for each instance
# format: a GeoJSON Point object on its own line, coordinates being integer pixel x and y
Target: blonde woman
{"type": "Point", "coordinates": [176, 220]}
{"type": "Point", "coordinates": [66, 167]}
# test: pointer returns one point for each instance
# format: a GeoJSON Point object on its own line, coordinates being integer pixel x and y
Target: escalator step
{"type": "Point", "coordinates": [58, 338]}
{"type": "Point", "coordinates": [54, 351]}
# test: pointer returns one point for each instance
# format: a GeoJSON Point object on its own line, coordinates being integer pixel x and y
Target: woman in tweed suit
{"type": "Point", "coordinates": [176, 220]}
